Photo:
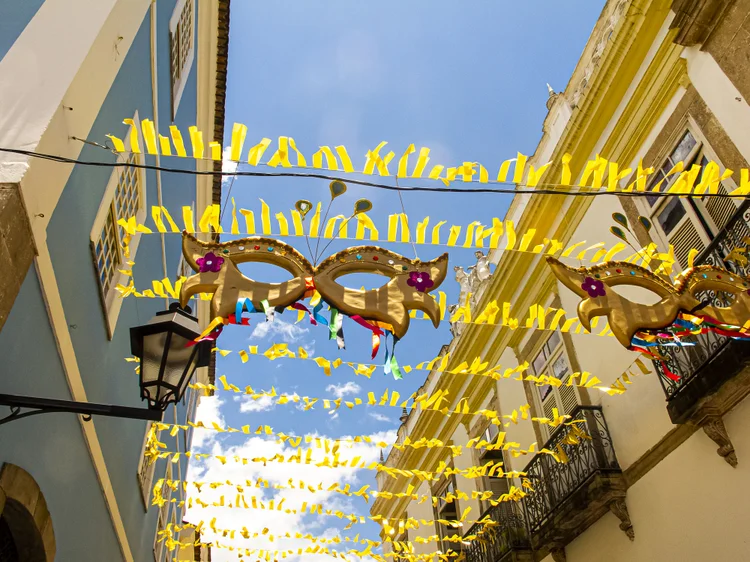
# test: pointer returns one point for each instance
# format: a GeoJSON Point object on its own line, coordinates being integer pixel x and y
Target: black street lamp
{"type": "Point", "coordinates": [168, 361]}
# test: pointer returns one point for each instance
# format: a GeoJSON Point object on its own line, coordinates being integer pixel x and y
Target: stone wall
{"type": "Point", "coordinates": [17, 249]}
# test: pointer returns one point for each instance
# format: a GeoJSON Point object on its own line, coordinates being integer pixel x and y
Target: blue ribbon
{"type": "Point", "coordinates": [316, 314]}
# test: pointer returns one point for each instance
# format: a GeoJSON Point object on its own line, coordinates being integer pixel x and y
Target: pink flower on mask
{"type": "Point", "coordinates": [210, 263]}
{"type": "Point", "coordinates": [593, 287]}
{"type": "Point", "coordinates": [420, 281]}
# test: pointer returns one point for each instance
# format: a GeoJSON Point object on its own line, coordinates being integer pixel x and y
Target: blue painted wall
{"type": "Point", "coordinates": [51, 447]}
{"type": "Point", "coordinates": [16, 15]}
{"type": "Point", "coordinates": [58, 458]}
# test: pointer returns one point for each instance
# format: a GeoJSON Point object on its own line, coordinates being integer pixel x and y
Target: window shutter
{"type": "Point", "coordinates": [568, 398]}
{"type": "Point", "coordinates": [720, 209]}
{"type": "Point", "coordinates": [683, 239]}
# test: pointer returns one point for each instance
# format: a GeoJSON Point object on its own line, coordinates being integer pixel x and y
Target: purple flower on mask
{"type": "Point", "coordinates": [420, 281]}
{"type": "Point", "coordinates": [210, 263]}
{"type": "Point", "coordinates": [593, 287]}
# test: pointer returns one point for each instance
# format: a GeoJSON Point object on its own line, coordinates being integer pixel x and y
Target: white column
{"type": "Point", "coordinates": [37, 71]}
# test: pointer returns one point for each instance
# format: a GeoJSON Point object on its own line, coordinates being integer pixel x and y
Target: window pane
{"type": "Point", "coordinates": [683, 148]}
{"type": "Point", "coordinates": [655, 179]}
{"type": "Point", "coordinates": [671, 215]}
{"type": "Point", "coordinates": [538, 363]}
{"type": "Point", "coordinates": [544, 391]}
{"type": "Point", "coordinates": [560, 368]}
{"type": "Point", "coordinates": [553, 342]}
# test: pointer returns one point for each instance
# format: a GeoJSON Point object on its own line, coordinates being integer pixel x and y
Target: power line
{"type": "Point", "coordinates": [546, 190]}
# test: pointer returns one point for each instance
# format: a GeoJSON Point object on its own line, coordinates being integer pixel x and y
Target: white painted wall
{"type": "Point", "coordinates": [422, 511]}
{"type": "Point", "coordinates": [721, 96]}
{"type": "Point", "coordinates": [638, 418]}
{"type": "Point", "coordinates": [511, 396]}
{"type": "Point", "coordinates": [467, 485]}
{"type": "Point", "coordinates": [692, 506]}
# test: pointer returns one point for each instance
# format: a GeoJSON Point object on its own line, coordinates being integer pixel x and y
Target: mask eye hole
{"type": "Point", "coordinates": [366, 280]}
{"type": "Point", "coordinates": [265, 272]}
{"type": "Point", "coordinates": [635, 294]}
{"type": "Point", "coordinates": [719, 299]}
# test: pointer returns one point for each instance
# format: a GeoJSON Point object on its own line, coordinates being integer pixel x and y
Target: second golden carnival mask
{"type": "Point", "coordinates": [681, 303]}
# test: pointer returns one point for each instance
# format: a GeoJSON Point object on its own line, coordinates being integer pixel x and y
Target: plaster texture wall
{"type": "Point", "coordinates": [689, 507]}
{"type": "Point", "coordinates": [422, 511]}
{"type": "Point", "coordinates": [467, 485]}
{"type": "Point", "coordinates": [638, 418]}
{"type": "Point", "coordinates": [511, 395]}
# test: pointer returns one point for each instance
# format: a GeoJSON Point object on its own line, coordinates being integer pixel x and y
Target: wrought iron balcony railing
{"type": "Point", "coordinates": [494, 543]}
{"type": "Point", "coordinates": [688, 362]}
{"type": "Point", "coordinates": [554, 482]}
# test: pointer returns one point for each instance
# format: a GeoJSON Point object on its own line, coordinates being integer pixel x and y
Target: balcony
{"type": "Point", "coordinates": [712, 374]}
{"type": "Point", "coordinates": [569, 497]}
{"type": "Point", "coordinates": [507, 541]}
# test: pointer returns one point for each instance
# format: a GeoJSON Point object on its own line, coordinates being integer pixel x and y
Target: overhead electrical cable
{"type": "Point", "coordinates": [548, 189]}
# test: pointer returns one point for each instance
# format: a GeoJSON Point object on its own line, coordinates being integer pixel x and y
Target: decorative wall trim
{"type": "Point", "coordinates": [24, 509]}
{"type": "Point", "coordinates": [620, 509]}
{"type": "Point", "coordinates": [696, 19]}
{"type": "Point", "coordinates": [658, 452]}
{"type": "Point", "coordinates": [714, 428]}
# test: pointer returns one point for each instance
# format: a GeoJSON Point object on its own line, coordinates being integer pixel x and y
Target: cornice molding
{"type": "Point", "coordinates": [696, 19]}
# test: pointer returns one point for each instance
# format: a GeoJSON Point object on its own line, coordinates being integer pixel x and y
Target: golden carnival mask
{"type": "Point", "coordinates": [217, 273]}
{"type": "Point", "coordinates": [680, 302]}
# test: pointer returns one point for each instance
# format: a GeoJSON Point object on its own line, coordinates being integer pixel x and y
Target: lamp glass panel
{"type": "Point", "coordinates": [179, 360]}
{"type": "Point", "coordinates": [153, 351]}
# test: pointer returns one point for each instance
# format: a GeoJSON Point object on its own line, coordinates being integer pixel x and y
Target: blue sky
{"type": "Point", "coordinates": [466, 79]}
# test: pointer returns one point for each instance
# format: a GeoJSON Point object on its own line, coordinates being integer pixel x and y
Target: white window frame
{"type": "Point", "coordinates": [178, 87]}
{"type": "Point", "coordinates": [145, 473]}
{"type": "Point", "coordinates": [559, 351]}
{"type": "Point", "coordinates": [192, 407]}
{"type": "Point", "coordinates": [163, 516]}
{"type": "Point", "coordinates": [111, 301]}
{"type": "Point", "coordinates": [442, 530]}
{"type": "Point", "coordinates": [701, 147]}
{"type": "Point", "coordinates": [183, 268]}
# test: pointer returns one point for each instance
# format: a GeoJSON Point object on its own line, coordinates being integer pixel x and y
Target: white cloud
{"type": "Point", "coordinates": [289, 333]}
{"type": "Point", "coordinates": [262, 404]}
{"type": "Point", "coordinates": [341, 390]}
{"type": "Point", "coordinates": [227, 166]}
{"type": "Point", "coordinates": [208, 411]}
{"type": "Point", "coordinates": [265, 403]}
{"type": "Point", "coordinates": [278, 522]}
{"type": "Point", "coordinates": [379, 417]}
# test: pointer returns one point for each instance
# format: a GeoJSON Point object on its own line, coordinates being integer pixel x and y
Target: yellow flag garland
{"type": "Point", "coordinates": [592, 176]}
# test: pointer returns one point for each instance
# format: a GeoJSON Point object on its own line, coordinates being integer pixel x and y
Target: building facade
{"type": "Point", "coordinates": [664, 476]}
{"type": "Point", "coordinates": [71, 71]}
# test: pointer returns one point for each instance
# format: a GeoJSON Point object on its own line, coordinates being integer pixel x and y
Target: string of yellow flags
{"type": "Point", "coordinates": [501, 234]}
{"type": "Point", "coordinates": [598, 173]}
